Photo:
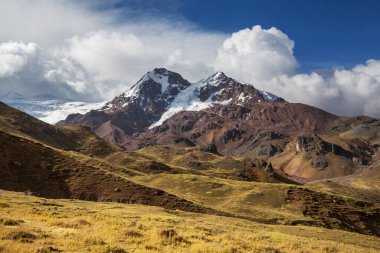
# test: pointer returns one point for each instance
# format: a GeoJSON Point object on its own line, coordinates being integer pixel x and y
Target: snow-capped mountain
{"type": "Point", "coordinates": [152, 93]}
{"type": "Point", "coordinates": [216, 89]}
{"type": "Point", "coordinates": [47, 107]}
{"type": "Point", "coordinates": [160, 94]}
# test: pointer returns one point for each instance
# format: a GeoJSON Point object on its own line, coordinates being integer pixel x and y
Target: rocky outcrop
{"type": "Point", "coordinates": [184, 141]}
{"type": "Point", "coordinates": [233, 134]}
{"type": "Point", "coordinates": [267, 149]}
{"type": "Point", "coordinates": [335, 212]}
{"type": "Point", "coordinates": [239, 130]}
{"type": "Point", "coordinates": [210, 148]}
{"type": "Point", "coordinates": [313, 143]}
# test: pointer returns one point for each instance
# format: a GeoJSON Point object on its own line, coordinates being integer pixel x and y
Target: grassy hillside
{"type": "Point", "coordinates": [32, 224]}
{"type": "Point", "coordinates": [362, 185]}
{"type": "Point", "coordinates": [260, 201]}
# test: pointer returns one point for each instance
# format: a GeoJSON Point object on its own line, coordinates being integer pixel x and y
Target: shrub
{"type": "Point", "coordinates": [133, 233]}
{"type": "Point", "coordinates": [21, 236]}
{"type": "Point", "coordinates": [169, 233]}
{"type": "Point", "coordinates": [115, 250]}
{"type": "Point", "coordinates": [10, 222]}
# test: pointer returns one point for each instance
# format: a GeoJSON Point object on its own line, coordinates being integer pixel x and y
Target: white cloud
{"type": "Point", "coordinates": [65, 71]}
{"type": "Point", "coordinates": [353, 91]}
{"type": "Point", "coordinates": [360, 88]}
{"type": "Point", "coordinates": [265, 59]}
{"type": "Point", "coordinates": [126, 53]}
{"type": "Point", "coordinates": [14, 56]}
{"type": "Point", "coordinates": [108, 54]}
{"type": "Point", "coordinates": [48, 22]}
{"type": "Point", "coordinates": [87, 55]}
{"type": "Point", "coordinates": [256, 54]}
{"type": "Point", "coordinates": [119, 58]}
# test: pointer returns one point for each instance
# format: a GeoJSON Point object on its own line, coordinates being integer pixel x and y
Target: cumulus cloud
{"type": "Point", "coordinates": [67, 72]}
{"type": "Point", "coordinates": [14, 56]}
{"type": "Point", "coordinates": [360, 88]}
{"type": "Point", "coordinates": [353, 91]}
{"type": "Point", "coordinates": [115, 60]}
{"type": "Point", "coordinates": [88, 55]}
{"type": "Point", "coordinates": [126, 53]}
{"type": "Point", "coordinates": [72, 50]}
{"type": "Point", "coordinates": [256, 54]}
{"type": "Point", "coordinates": [264, 58]}
{"type": "Point", "coordinates": [47, 22]}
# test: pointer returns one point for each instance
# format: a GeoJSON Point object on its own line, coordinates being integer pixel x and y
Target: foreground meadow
{"type": "Point", "coordinates": [32, 224]}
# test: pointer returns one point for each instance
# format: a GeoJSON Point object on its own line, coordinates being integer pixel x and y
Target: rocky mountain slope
{"type": "Point", "coordinates": [230, 118]}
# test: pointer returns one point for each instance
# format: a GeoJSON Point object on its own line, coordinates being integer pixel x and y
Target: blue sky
{"type": "Point", "coordinates": [327, 33]}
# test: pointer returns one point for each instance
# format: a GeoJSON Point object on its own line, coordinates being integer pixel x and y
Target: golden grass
{"type": "Point", "coordinates": [249, 199]}
{"type": "Point", "coordinates": [79, 226]}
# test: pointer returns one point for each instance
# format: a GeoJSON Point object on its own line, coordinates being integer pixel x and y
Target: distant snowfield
{"type": "Point", "coordinates": [61, 111]}
{"type": "Point", "coordinates": [46, 107]}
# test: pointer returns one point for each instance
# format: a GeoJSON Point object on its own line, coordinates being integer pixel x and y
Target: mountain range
{"type": "Point", "coordinates": [224, 116]}
{"type": "Point", "coordinates": [215, 148]}
{"type": "Point", "coordinates": [233, 119]}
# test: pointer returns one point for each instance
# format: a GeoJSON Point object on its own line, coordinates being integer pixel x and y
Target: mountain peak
{"type": "Point", "coordinates": [216, 79]}
{"type": "Point", "coordinates": [219, 74]}
{"type": "Point", "coordinates": [161, 71]}
{"type": "Point", "coordinates": [152, 93]}
{"type": "Point", "coordinates": [11, 93]}
{"type": "Point", "coordinates": [165, 78]}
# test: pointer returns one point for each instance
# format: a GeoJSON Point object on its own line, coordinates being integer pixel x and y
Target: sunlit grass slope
{"type": "Point", "coordinates": [31, 224]}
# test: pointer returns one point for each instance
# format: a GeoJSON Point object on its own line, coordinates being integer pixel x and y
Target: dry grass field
{"type": "Point", "coordinates": [32, 224]}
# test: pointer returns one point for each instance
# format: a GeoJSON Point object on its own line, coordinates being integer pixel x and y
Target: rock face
{"type": "Point", "coordinates": [267, 149]}
{"type": "Point", "coordinates": [211, 148]}
{"type": "Point", "coordinates": [250, 129]}
{"type": "Point", "coordinates": [313, 143]}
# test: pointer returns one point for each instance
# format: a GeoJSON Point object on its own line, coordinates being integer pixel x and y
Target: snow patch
{"type": "Point", "coordinates": [269, 96]}
{"type": "Point", "coordinates": [243, 97]}
{"type": "Point", "coordinates": [215, 79]}
{"type": "Point", "coordinates": [161, 79]}
{"type": "Point", "coordinates": [188, 100]}
{"type": "Point", "coordinates": [225, 102]}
